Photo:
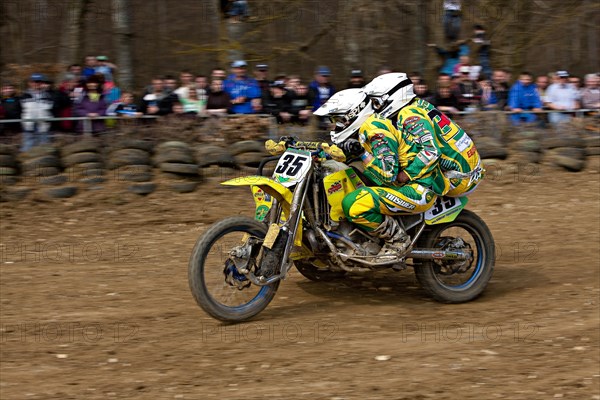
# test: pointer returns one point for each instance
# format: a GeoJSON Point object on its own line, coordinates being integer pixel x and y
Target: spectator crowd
{"type": "Point", "coordinates": [90, 90]}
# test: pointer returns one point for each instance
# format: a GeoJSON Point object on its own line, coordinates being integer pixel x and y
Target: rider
{"type": "Point", "coordinates": [425, 142]}
{"type": "Point", "coordinates": [393, 98]}
{"type": "Point", "coordinates": [407, 180]}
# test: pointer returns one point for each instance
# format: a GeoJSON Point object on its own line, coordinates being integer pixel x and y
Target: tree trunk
{"type": "Point", "coordinates": [71, 45]}
{"type": "Point", "coordinates": [122, 37]}
{"type": "Point", "coordinates": [419, 35]}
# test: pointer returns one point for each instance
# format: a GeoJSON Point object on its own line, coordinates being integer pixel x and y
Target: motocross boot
{"type": "Point", "coordinates": [397, 242]}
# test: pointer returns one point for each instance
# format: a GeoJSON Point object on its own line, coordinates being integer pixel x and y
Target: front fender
{"type": "Point", "coordinates": [277, 190]}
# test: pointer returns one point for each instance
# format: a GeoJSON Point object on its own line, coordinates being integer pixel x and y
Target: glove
{"type": "Point", "coordinates": [334, 152]}
{"type": "Point", "coordinates": [274, 148]}
{"type": "Point", "coordinates": [352, 148]}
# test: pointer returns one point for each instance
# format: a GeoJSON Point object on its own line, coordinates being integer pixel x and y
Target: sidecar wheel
{"type": "Point", "coordinates": [437, 277]}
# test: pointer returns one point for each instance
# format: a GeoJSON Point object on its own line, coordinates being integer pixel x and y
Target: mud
{"type": "Point", "coordinates": [95, 304]}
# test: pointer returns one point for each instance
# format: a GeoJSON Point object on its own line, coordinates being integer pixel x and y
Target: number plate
{"type": "Point", "coordinates": [292, 167]}
{"type": "Point", "coordinates": [445, 209]}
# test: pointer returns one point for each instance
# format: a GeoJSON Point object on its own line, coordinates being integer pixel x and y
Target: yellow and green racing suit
{"type": "Point", "coordinates": [445, 141]}
{"type": "Point", "coordinates": [388, 152]}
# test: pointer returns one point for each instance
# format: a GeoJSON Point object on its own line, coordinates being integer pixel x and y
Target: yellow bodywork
{"type": "Point", "coordinates": [275, 189]}
{"type": "Point", "coordinates": [337, 186]}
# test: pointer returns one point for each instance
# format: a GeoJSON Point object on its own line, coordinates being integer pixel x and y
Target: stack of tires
{"type": "Point", "coordinates": [248, 153]}
{"type": "Point", "coordinates": [9, 171]}
{"type": "Point", "coordinates": [214, 160]}
{"type": "Point", "coordinates": [178, 166]}
{"type": "Point", "coordinates": [130, 164]}
{"type": "Point", "coordinates": [42, 166]}
{"type": "Point", "coordinates": [490, 148]}
{"type": "Point", "coordinates": [83, 162]}
{"type": "Point", "coordinates": [9, 175]}
{"type": "Point", "coordinates": [525, 146]}
{"type": "Point", "coordinates": [592, 143]}
{"type": "Point", "coordinates": [565, 150]}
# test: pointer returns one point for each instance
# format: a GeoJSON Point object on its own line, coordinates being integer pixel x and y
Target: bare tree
{"type": "Point", "coordinates": [71, 44]}
{"type": "Point", "coordinates": [122, 30]}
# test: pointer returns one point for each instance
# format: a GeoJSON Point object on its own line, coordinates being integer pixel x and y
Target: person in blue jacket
{"type": "Point", "coordinates": [523, 95]}
{"type": "Point", "coordinates": [244, 91]}
{"type": "Point", "coordinates": [320, 90]}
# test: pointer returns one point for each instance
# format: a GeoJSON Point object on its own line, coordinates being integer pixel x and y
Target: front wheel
{"type": "Point", "coordinates": [458, 281]}
{"type": "Point", "coordinates": [215, 281]}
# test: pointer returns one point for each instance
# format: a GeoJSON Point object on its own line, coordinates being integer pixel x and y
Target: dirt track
{"type": "Point", "coordinates": [95, 304]}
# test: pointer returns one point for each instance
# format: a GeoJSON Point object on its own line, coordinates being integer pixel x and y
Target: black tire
{"type": "Point", "coordinates": [246, 146]}
{"type": "Point", "coordinates": [85, 145]}
{"type": "Point", "coordinates": [7, 171]}
{"type": "Point", "coordinates": [197, 270]}
{"type": "Point", "coordinates": [92, 172]}
{"type": "Point", "coordinates": [40, 151]}
{"type": "Point", "coordinates": [251, 159]}
{"type": "Point", "coordinates": [81, 158]}
{"type": "Point", "coordinates": [315, 274]}
{"type": "Point", "coordinates": [14, 194]}
{"type": "Point", "coordinates": [54, 180]}
{"type": "Point", "coordinates": [134, 176]}
{"type": "Point", "coordinates": [7, 149]}
{"type": "Point", "coordinates": [207, 155]}
{"type": "Point", "coordinates": [142, 188]}
{"type": "Point", "coordinates": [42, 171]}
{"type": "Point", "coordinates": [178, 168]}
{"type": "Point", "coordinates": [121, 158]}
{"type": "Point", "coordinates": [183, 187]}
{"type": "Point", "coordinates": [41, 162]}
{"type": "Point", "coordinates": [92, 180]}
{"type": "Point", "coordinates": [62, 192]}
{"type": "Point", "coordinates": [7, 161]}
{"type": "Point", "coordinates": [428, 272]}
{"type": "Point", "coordinates": [8, 180]}
{"type": "Point", "coordinates": [140, 144]}
{"type": "Point", "coordinates": [592, 151]}
{"type": "Point", "coordinates": [173, 144]}
{"type": "Point", "coordinates": [174, 155]}
{"type": "Point", "coordinates": [563, 141]}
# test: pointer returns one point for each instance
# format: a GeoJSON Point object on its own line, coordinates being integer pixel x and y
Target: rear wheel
{"type": "Point", "coordinates": [458, 281]}
{"type": "Point", "coordinates": [217, 284]}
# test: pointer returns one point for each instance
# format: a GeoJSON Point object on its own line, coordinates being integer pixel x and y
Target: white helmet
{"type": "Point", "coordinates": [347, 109]}
{"type": "Point", "coordinates": [390, 92]}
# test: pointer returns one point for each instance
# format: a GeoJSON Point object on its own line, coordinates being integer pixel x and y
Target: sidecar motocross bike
{"type": "Point", "coordinates": [237, 265]}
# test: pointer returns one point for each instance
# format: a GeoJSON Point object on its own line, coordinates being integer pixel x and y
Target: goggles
{"type": "Point", "coordinates": [340, 122]}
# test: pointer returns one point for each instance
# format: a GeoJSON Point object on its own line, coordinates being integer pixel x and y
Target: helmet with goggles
{"type": "Point", "coordinates": [389, 93]}
{"type": "Point", "coordinates": [347, 110]}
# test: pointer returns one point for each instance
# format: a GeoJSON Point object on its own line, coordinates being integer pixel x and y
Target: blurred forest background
{"type": "Point", "coordinates": [156, 37]}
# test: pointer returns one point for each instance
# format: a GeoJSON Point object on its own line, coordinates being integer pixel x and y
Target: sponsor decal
{"type": "Point", "coordinates": [378, 144]}
{"type": "Point", "coordinates": [410, 121]}
{"type": "Point", "coordinates": [423, 157]}
{"type": "Point", "coordinates": [397, 200]}
{"type": "Point", "coordinates": [471, 152]}
{"type": "Point", "coordinates": [416, 129]}
{"type": "Point", "coordinates": [426, 138]}
{"type": "Point", "coordinates": [437, 255]}
{"type": "Point", "coordinates": [335, 187]}
{"type": "Point", "coordinates": [261, 212]}
{"type": "Point", "coordinates": [463, 143]}
{"type": "Point", "coordinates": [259, 195]}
